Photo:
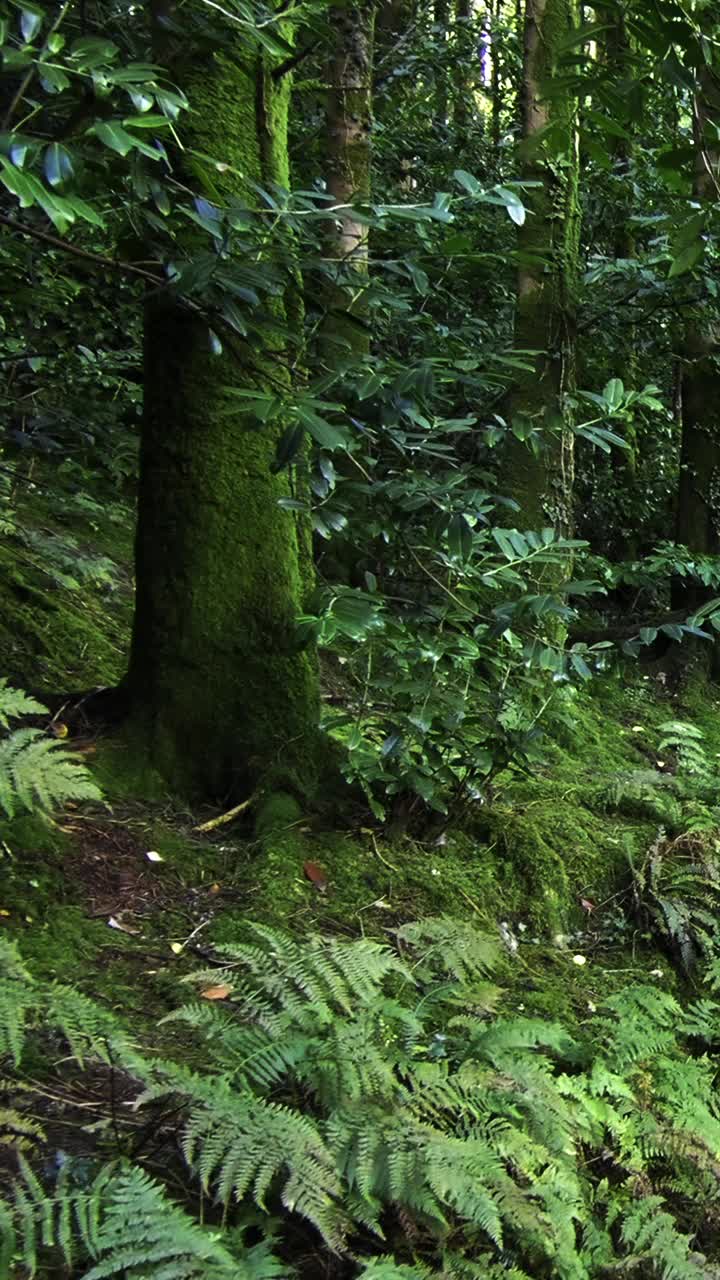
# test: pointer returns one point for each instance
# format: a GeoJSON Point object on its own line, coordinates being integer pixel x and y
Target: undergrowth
{"type": "Point", "coordinates": [366, 1106]}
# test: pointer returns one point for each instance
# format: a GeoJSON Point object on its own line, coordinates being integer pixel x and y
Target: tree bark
{"type": "Point", "coordinates": [462, 90]}
{"type": "Point", "coordinates": [541, 480]}
{"type": "Point", "coordinates": [348, 176]}
{"type": "Point", "coordinates": [222, 699]}
{"type": "Point", "coordinates": [698, 511]}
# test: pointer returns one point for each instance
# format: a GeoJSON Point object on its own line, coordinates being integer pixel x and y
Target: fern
{"type": "Point", "coordinates": [14, 703]}
{"type": "Point", "coordinates": [38, 774]}
{"type": "Point", "coordinates": [18, 998]}
{"type": "Point", "coordinates": [87, 1029]}
{"type": "Point", "coordinates": [339, 1099]}
{"type": "Point", "coordinates": [122, 1226]}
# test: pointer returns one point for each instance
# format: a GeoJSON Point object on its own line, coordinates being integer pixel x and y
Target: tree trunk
{"type": "Point", "coordinates": [463, 110]}
{"type": "Point", "coordinates": [698, 514]}
{"type": "Point", "coordinates": [221, 697]}
{"type": "Point", "coordinates": [541, 481]}
{"type": "Point", "coordinates": [615, 52]}
{"type": "Point", "coordinates": [441, 17]}
{"type": "Point", "coordinates": [495, 22]}
{"type": "Point", "coordinates": [348, 159]}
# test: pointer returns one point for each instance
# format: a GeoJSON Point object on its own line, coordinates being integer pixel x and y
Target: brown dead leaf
{"type": "Point", "coordinates": [316, 876]}
{"type": "Point", "coordinates": [220, 992]}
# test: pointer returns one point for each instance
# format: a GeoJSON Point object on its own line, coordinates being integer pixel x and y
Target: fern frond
{"type": "Point", "coordinates": [37, 774]}
{"type": "Point", "coordinates": [14, 703]}
{"type": "Point", "coordinates": [18, 997]}
{"type": "Point", "coordinates": [454, 948]}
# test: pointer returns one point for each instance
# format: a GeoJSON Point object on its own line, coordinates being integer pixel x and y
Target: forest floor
{"type": "Point", "coordinates": [126, 898]}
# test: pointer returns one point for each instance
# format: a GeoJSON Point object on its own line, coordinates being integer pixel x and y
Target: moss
{"type": "Point", "coordinates": [222, 695]}
{"type": "Point", "coordinates": [120, 769]}
{"type": "Point", "coordinates": [54, 635]}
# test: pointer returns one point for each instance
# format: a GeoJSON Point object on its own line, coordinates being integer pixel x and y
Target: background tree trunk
{"type": "Point", "coordinates": [221, 696]}
{"type": "Point", "coordinates": [542, 481]}
{"type": "Point", "coordinates": [348, 159]}
{"type": "Point", "coordinates": [698, 513]}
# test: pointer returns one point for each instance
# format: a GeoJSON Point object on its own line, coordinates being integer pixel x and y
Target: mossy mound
{"type": "Point", "coordinates": [65, 591]}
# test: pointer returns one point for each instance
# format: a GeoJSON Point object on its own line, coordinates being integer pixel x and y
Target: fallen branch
{"type": "Point", "coordinates": [224, 818]}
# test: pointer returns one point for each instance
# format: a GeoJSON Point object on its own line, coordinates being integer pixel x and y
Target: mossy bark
{"type": "Point", "coordinates": [222, 697]}
{"type": "Point", "coordinates": [541, 480]}
{"type": "Point", "coordinates": [348, 178]}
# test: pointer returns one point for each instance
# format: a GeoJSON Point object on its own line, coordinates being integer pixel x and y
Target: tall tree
{"type": "Point", "coordinates": [221, 695]}
{"type": "Point", "coordinates": [464, 77]}
{"type": "Point", "coordinates": [541, 480]}
{"type": "Point", "coordinates": [698, 513]}
{"type": "Point", "coordinates": [348, 160]}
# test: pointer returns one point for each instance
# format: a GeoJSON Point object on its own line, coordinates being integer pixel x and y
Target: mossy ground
{"type": "Point", "coordinates": [548, 860]}
{"type": "Point", "coordinates": [548, 855]}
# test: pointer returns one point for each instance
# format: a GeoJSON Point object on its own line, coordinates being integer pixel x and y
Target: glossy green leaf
{"type": "Point", "coordinates": [687, 259]}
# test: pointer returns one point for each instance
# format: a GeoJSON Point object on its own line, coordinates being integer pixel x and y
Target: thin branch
{"type": "Point", "coordinates": [128, 268]}
{"type": "Point", "coordinates": [294, 61]}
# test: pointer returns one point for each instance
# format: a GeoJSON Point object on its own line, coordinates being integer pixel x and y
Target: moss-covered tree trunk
{"type": "Point", "coordinates": [541, 481]}
{"type": "Point", "coordinates": [348, 177]}
{"type": "Point", "coordinates": [698, 512]}
{"type": "Point", "coordinates": [221, 697]}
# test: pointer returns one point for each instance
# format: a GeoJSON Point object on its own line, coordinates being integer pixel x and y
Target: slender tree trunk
{"type": "Point", "coordinates": [348, 161]}
{"type": "Point", "coordinates": [463, 104]}
{"type": "Point", "coordinates": [441, 15]}
{"type": "Point", "coordinates": [495, 27]}
{"type": "Point", "coordinates": [698, 513]}
{"type": "Point", "coordinates": [222, 699]}
{"type": "Point", "coordinates": [615, 52]}
{"type": "Point", "coordinates": [541, 480]}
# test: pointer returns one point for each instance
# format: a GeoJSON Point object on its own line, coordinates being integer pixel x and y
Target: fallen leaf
{"type": "Point", "coordinates": [316, 876]}
{"type": "Point", "coordinates": [153, 856]}
{"type": "Point", "coordinates": [118, 924]}
{"type": "Point", "coordinates": [220, 992]}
